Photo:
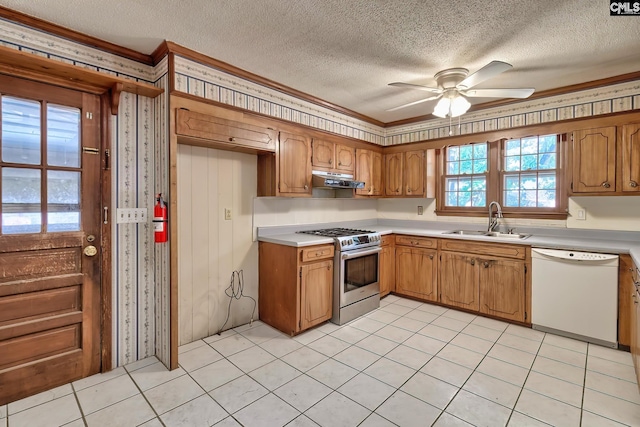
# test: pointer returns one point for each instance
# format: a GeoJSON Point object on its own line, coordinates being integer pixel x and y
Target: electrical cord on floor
{"type": "Point", "coordinates": [236, 292]}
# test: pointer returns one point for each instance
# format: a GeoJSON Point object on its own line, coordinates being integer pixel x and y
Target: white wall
{"type": "Point", "coordinates": [210, 248]}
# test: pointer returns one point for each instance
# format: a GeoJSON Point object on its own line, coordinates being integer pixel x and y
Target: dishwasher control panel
{"type": "Point", "coordinates": [574, 255]}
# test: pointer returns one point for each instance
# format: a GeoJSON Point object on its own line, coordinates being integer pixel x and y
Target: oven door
{"type": "Point", "coordinates": [359, 272]}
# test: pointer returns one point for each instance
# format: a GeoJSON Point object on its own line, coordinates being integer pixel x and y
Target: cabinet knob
{"type": "Point", "coordinates": [408, 190]}
{"type": "Point", "coordinates": [232, 139]}
{"type": "Point", "coordinates": [606, 185]}
{"type": "Point", "coordinates": [330, 161]}
{"type": "Point", "coordinates": [397, 190]}
{"type": "Point", "coordinates": [633, 184]}
{"type": "Point", "coordinates": [473, 262]}
{"type": "Point", "coordinates": [486, 264]}
{"type": "Point", "coordinates": [339, 163]}
{"type": "Point", "coordinates": [430, 256]}
{"type": "Point", "coordinates": [306, 187]}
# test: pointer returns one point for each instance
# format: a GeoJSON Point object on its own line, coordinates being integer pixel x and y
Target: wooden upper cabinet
{"type": "Point", "coordinates": [345, 159]}
{"type": "Point", "coordinates": [594, 160]}
{"type": "Point", "coordinates": [294, 165]}
{"type": "Point", "coordinates": [333, 157]}
{"type": "Point", "coordinates": [369, 170]}
{"type": "Point", "coordinates": [502, 288]}
{"type": "Point", "coordinates": [393, 182]}
{"type": "Point", "coordinates": [210, 131]}
{"type": "Point", "coordinates": [414, 173]}
{"type": "Point", "coordinates": [630, 151]}
{"type": "Point", "coordinates": [323, 154]}
{"type": "Point", "coordinates": [458, 278]}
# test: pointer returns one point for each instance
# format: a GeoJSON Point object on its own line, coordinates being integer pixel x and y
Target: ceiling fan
{"type": "Point", "coordinates": [455, 86]}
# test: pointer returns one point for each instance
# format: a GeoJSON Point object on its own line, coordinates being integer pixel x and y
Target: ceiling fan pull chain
{"type": "Point", "coordinates": [450, 131]}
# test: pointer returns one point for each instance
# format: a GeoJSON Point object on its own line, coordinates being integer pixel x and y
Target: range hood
{"type": "Point", "coordinates": [321, 179]}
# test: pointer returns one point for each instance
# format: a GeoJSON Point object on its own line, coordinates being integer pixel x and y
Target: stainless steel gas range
{"type": "Point", "coordinates": [356, 288]}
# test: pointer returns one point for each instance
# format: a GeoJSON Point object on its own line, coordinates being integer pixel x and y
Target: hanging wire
{"type": "Point", "coordinates": [235, 291]}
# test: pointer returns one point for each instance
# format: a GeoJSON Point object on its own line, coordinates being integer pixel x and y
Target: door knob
{"type": "Point", "coordinates": [90, 250]}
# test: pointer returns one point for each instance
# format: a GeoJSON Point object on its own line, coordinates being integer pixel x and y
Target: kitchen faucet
{"type": "Point", "coordinates": [493, 221]}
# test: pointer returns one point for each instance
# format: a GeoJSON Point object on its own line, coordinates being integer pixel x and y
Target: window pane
{"type": "Point", "coordinates": [466, 167]}
{"type": "Point", "coordinates": [464, 198]}
{"type": "Point", "coordinates": [530, 145]}
{"type": "Point", "coordinates": [512, 182]}
{"type": "Point", "coordinates": [547, 161]}
{"type": "Point", "coordinates": [21, 208]}
{"type": "Point", "coordinates": [453, 168]}
{"type": "Point", "coordinates": [466, 152]}
{"type": "Point", "coordinates": [547, 181]}
{"type": "Point", "coordinates": [479, 184]}
{"type": "Point", "coordinates": [529, 182]}
{"type": "Point", "coordinates": [20, 131]}
{"type": "Point", "coordinates": [529, 163]}
{"type": "Point", "coordinates": [513, 147]}
{"type": "Point", "coordinates": [63, 204]}
{"type": "Point", "coordinates": [480, 166]}
{"type": "Point", "coordinates": [451, 198]}
{"type": "Point", "coordinates": [63, 136]}
{"type": "Point", "coordinates": [548, 144]}
{"type": "Point", "coordinates": [512, 164]}
{"type": "Point", "coordinates": [480, 151]}
{"type": "Point", "coordinates": [453, 153]}
{"type": "Point", "coordinates": [464, 184]}
{"type": "Point", "coordinates": [528, 198]}
{"type": "Point", "coordinates": [512, 198]}
{"type": "Point", "coordinates": [478, 198]}
{"type": "Point", "coordinates": [452, 184]}
{"type": "Point", "coordinates": [547, 199]}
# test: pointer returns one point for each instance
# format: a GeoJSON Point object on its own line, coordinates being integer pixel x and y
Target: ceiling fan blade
{"type": "Point", "coordinates": [490, 70]}
{"type": "Point", "coordinates": [415, 103]}
{"type": "Point", "coordinates": [498, 93]}
{"type": "Point", "coordinates": [418, 87]}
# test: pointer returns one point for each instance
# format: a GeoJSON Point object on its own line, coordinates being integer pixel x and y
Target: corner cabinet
{"type": "Point", "coordinates": [296, 286]}
{"type": "Point", "coordinates": [293, 168]}
{"type": "Point", "coordinates": [369, 170]}
{"type": "Point", "coordinates": [417, 267]}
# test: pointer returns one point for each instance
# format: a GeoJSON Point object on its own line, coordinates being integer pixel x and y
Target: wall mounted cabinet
{"type": "Point", "coordinates": [333, 157]}
{"type": "Point", "coordinates": [293, 166]}
{"type": "Point", "coordinates": [369, 170]}
{"type": "Point", "coordinates": [405, 174]}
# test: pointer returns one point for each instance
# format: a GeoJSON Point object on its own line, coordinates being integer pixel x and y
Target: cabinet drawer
{"type": "Point", "coordinates": [316, 252]}
{"type": "Point", "coordinates": [488, 249]}
{"type": "Point", "coordinates": [419, 242]}
{"type": "Point", "coordinates": [215, 129]}
{"type": "Point", "coordinates": [388, 239]}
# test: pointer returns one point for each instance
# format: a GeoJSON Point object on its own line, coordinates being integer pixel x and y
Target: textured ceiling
{"type": "Point", "coordinates": [347, 51]}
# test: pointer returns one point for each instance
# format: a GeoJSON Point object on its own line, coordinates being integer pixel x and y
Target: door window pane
{"type": "Point", "coordinates": [21, 209]}
{"type": "Point", "coordinates": [63, 136]}
{"type": "Point", "coordinates": [63, 201]}
{"type": "Point", "coordinates": [20, 131]}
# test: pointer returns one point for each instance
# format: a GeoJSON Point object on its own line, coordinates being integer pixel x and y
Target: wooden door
{"type": "Point", "coordinates": [416, 273]}
{"type": "Point", "coordinates": [363, 172]}
{"type": "Point", "coordinates": [502, 288]}
{"type": "Point", "coordinates": [594, 160]}
{"type": "Point", "coordinates": [387, 270]}
{"type": "Point", "coordinates": [345, 159]}
{"type": "Point", "coordinates": [459, 281]}
{"type": "Point", "coordinates": [631, 158]}
{"type": "Point", "coordinates": [294, 165]}
{"type": "Point", "coordinates": [393, 174]}
{"type": "Point", "coordinates": [376, 174]}
{"type": "Point", "coordinates": [50, 238]}
{"type": "Point", "coordinates": [323, 153]}
{"type": "Point", "coordinates": [414, 171]}
{"type": "Point", "coordinates": [316, 291]}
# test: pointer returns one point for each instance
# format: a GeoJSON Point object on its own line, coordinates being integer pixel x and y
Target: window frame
{"type": "Point", "coordinates": [495, 183]}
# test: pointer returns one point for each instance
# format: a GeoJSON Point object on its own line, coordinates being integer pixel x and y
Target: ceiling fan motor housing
{"type": "Point", "coordinates": [449, 78]}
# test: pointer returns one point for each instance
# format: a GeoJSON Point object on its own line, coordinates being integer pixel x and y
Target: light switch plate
{"type": "Point", "coordinates": [420, 210]}
{"type": "Point", "coordinates": [131, 215]}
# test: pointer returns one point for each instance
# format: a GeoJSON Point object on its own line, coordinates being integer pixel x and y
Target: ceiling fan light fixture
{"type": "Point", "coordinates": [442, 108]}
{"type": "Point", "coordinates": [451, 106]}
{"type": "Point", "coordinates": [459, 106]}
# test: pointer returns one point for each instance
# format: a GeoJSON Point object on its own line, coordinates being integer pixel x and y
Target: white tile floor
{"type": "Point", "coordinates": [405, 364]}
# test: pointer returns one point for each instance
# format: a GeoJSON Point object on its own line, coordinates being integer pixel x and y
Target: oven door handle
{"type": "Point", "coordinates": [357, 254]}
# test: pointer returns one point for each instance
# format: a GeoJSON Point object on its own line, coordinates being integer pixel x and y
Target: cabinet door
{"type": "Point", "coordinates": [345, 159]}
{"type": "Point", "coordinates": [393, 174]}
{"type": "Point", "coordinates": [635, 345]}
{"type": "Point", "coordinates": [414, 170]}
{"type": "Point", "coordinates": [316, 291]}
{"type": "Point", "coordinates": [459, 281]}
{"type": "Point", "coordinates": [363, 172]}
{"type": "Point", "coordinates": [377, 174]}
{"type": "Point", "coordinates": [631, 158]}
{"type": "Point", "coordinates": [387, 270]}
{"type": "Point", "coordinates": [417, 273]}
{"type": "Point", "coordinates": [323, 152]}
{"type": "Point", "coordinates": [294, 164]}
{"type": "Point", "coordinates": [502, 288]}
{"type": "Point", "coordinates": [594, 160]}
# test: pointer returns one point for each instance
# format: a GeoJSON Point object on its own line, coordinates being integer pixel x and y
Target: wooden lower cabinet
{"type": "Point", "coordinates": [387, 276]}
{"type": "Point", "coordinates": [459, 285]}
{"type": "Point", "coordinates": [417, 273]}
{"type": "Point", "coordinates": [296, 286]}
{"type": "Point", "coordinates": [502, 288]}
{"type": "Point", "coordinates": [633, 280]}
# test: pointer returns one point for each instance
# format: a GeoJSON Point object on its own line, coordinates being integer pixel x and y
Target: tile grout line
{"type": "Point", "coordinates": [75, 395]}
{"type": "Point", "coordinates": [145, 397]}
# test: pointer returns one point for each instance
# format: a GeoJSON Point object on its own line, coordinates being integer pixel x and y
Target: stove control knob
{"type": "Point", "coordinates": [351, 241]}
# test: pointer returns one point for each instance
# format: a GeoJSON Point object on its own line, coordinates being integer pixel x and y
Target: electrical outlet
{"type": "Point", "coordinates": [131, 215]}
{"type": "Point", "coordinates": [581, 214]}
{"type": "Point", "coordinates": [227, 214]}
{"type": "Point", "coordinates": [420, 210]}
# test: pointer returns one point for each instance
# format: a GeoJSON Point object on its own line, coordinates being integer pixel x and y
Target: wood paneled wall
{"type": "Point", "coordinates": [210, 248]}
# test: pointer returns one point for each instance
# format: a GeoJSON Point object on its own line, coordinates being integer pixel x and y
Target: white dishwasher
{"type": "Point", "coordinates": [575, 294]}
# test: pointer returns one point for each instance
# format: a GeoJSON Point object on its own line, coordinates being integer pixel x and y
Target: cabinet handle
{"type": "Point", "coordinates": [606, 185]}
{"type": "Point", "coordinates": [633, 184]}
{"type": "Point", "coordinates": [339, 163]}
{"type": "Point", "coordinates": [486, 264]}
{"type": "Point", "coordinates": [306, 187]}
{"type": "Point", "coordinates": [330, 161]}
{"type": "Point", "coordinates": [473, 262]}
{"type": "Point", "coordinates": [408, 190]}
{"type": "Point", "coordinates": [430, 256]}
{"type": "Point", "coordinates": [232, 139]}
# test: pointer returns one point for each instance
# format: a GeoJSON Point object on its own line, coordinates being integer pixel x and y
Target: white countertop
{"type": "Point", "coordinates": [538, 241]}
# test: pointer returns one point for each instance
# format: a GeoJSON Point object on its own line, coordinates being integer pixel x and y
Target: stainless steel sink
{"type": "Point", "coordinates": [488, 234]}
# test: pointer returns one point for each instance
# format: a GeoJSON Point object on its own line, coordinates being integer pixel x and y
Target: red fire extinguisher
{"type": "Point", "coordinates": [160, 220]}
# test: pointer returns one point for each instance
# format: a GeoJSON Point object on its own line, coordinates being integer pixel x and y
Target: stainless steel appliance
{"type": "Point", "coordinates": [321, 179]}
{"type": "Point", "coordinates": [356, 288]}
